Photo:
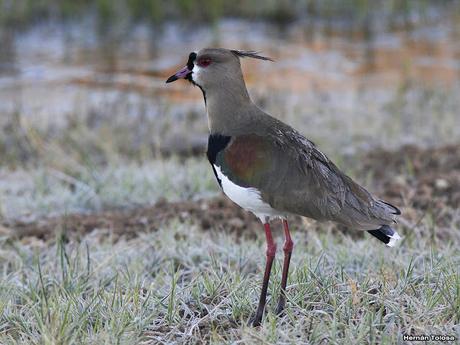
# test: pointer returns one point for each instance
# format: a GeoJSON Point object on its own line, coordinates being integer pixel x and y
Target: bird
{"type": "Point", "coordinates": [270, 169]}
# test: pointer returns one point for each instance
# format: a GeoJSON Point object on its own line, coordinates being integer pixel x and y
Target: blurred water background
{"type": "Point", "coordinates": [82, 92]}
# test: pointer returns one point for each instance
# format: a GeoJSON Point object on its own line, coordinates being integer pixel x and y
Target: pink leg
{"type": "Point", "coordinates": [271, 251]}
{"type": "Point", "coordinates": [287, 248]}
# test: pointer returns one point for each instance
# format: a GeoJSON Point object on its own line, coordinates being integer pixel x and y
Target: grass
{"type": "Point", "coordinates": [163, 288]}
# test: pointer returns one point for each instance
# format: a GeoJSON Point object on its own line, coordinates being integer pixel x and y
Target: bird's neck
{"type": "Point", "coordinates": [228, 109]}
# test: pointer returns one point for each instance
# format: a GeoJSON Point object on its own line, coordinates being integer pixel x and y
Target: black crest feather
{"type": "Point", "coordinates": [250, 54]}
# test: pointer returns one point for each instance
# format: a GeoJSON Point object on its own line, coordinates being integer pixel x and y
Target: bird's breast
{"type": "Point", "coordinates": [234, 163]}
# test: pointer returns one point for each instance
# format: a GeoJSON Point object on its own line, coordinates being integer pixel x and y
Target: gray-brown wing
{"type": "Point", "coordinates": [300, 179]}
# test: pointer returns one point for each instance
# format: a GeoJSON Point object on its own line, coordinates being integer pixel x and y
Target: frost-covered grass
{"type": "Point", "coordinates": [26, 194]}
{"type": "Point", "coordinates": [183, 285]}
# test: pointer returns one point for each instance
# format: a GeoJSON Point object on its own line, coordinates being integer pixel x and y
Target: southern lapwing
{"type": "Point", "coordinates": [270, 169]}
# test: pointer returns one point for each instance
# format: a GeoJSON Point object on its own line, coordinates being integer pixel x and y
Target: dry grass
{"type": "Point", "coordinates": [184, 285]}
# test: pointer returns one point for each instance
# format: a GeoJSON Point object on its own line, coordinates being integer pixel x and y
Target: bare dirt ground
{"type": "Point", "coordinates": [420, 181]}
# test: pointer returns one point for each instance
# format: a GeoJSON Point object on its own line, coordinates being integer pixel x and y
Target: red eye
{"type": "Point", "coordinates": [204, 62]}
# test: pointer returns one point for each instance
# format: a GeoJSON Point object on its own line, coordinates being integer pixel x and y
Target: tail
{"type": "Point", "coordinates": [386, 234]}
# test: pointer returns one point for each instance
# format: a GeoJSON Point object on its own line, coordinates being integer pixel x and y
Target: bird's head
{"type": "Point", "coordinates": [214, 67]}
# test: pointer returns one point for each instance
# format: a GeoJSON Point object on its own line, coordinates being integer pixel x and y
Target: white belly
{"type": "Point", "coordinates": [248, 198]}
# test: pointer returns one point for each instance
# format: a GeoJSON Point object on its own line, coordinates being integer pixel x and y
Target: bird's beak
{"type": "Point", "coordinates": [182, 74]}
